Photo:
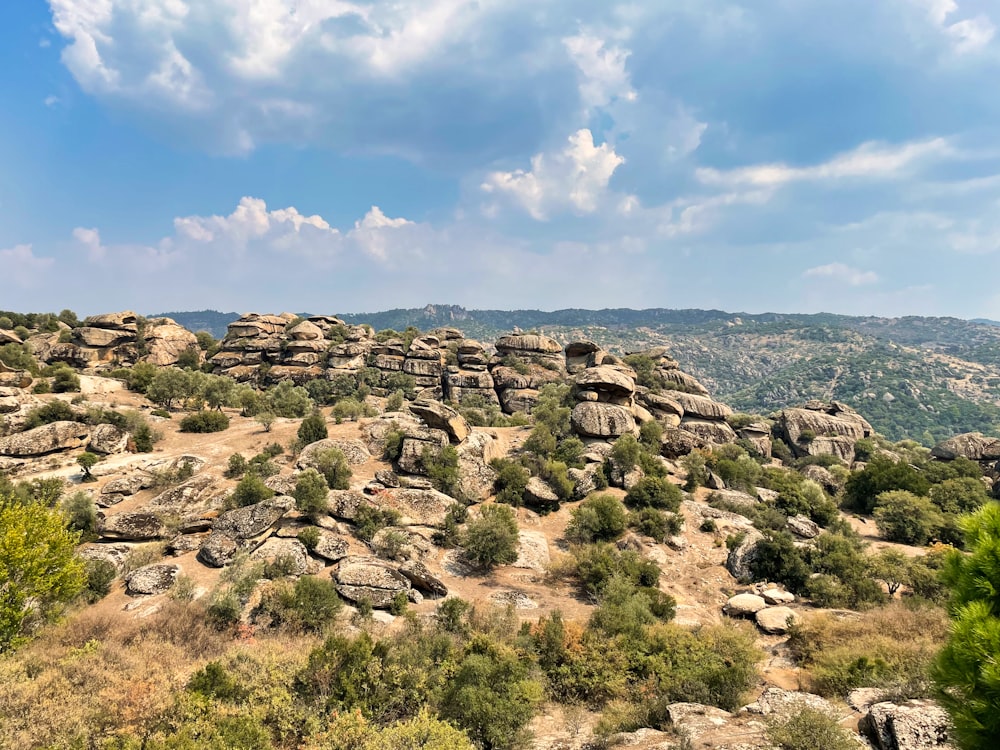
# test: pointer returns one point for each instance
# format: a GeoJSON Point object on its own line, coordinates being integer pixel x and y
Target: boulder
{"type": "Point", "coordinates": [744, 605]}
{"type": "Point", "coordinates": [306, 331]}
{"type": "Point", "coordinates": [354, 451]}
{"type": "Point", "coordinates": [708, 431]}
{"type": "Point", "coordinates": [218, 550]}
{"type": "Point", "coordinates": [777, 620]}
{"type": "Point", "coordinates": [591, 419]}
{"type": "Point", "coordinates": [416, 507]}
{"type": "Point", "coordinates": [291, 553]}
{"type": "Point", "coordinates": [816, 419]}
{"type": "Point", "coordinates": [778, 597]}
{"type": "Point", "coordinates": [915, 725]}
{"type": "Point", "coordinates": [253, 520]}
{"type": "Point", "coordinates": [114, 553]}
{"type": "Point", "coordinates": [532, 551]}
{"type": "Point", "coordinates": [134, 526]}
{"type": "Point", "coordinates": [101, 337]}
{"type": "Point", "coordinates": [784, 703]}
{"type": "Point", "coordinates": [441, 417]}
{"type": "Point", "coordinates": [527, 344]}
{"type": "Point", "coordinates": [685, 383]}
{"type": "Point", "coordinates": [733, 499]}
{"type": "Point", "coordinates": [421, 578]}
{"type": "Point", "coordinates": [330, 546]}
{"type": "Point", "coordinates": [108, 439]}
{"type": "Point", "coordinates": [607, 380]}
{"type": "Point", "coordinates": [151, 579]}
{"type": "Point", "coordinates": [803, 527]}
{"type": "Point", "coordinates": [125, 320]}
{"type": "Point", "coordinates": [971, 445]}
{"type": "Point", "coordinates": [701, 406]}
{"type": "Point", "coordinates": [743, 554]}
{"type": "Point", "coordinates": [49, 438]}
{"type": "Point", "coordinates": [538, 494]}
{"type": "Point", "coordinates": [693, 720]}
{"type": "Point", "coordinates": [369, 579]}
{"type": "Point", "coordinates": [476, 478]}
{"type": "Point", "coordinates": [195, 495]}
{"type": "Point", "coordinates": [345, 503]}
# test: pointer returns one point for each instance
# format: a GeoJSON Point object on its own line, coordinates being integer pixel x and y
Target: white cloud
{"type": "Point", "coordinates": [90, 239]}
{"type": "Point", "coordinates": [51, 101]}
{"type": "Point", "coordinates": [841, 272]}
{"type": "Point", "coordinates": [967, 35]}
{"type": "Point", "coordinates": [575, 178]}
{"type": "Point", "coordinates": [602, 73]}
{"type": "Point", "coordinates": [869, 160]}
{"type": "Point", "coordinates": [22, 265]}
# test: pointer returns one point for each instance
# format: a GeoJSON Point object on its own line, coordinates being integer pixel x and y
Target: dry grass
{"type": "Point", "coordinates": [890, 647]}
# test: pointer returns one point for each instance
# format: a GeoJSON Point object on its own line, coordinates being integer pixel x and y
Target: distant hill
{"type": "Point", "coordinates": [917, 377]}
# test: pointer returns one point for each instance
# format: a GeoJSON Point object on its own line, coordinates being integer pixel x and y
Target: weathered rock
{"type": "Point", "coordinates": [125, 320]}
{"type": "Point", "coordinates": [818, 428]}
{"type": "Point", "coordinates": [185, 543]}
{"type": "Point", "coordinates": [971, 445]}
{"type": "Point", "coordinates": [742, 556]}
{"type": "Point", "coordinates": [527, 343]}
{"type": "Point", "coordinates": [101, 337]}
{"type": "Point", "coordinates": [218, 550]}
{"type": "Point", "coordinates": [49, 438]}
{"type": "Point", "coordinates": [701, 407]}
{"type": "Point", "coordinates": [607, 380]}
{"type": "Point", "coordinates": [291, 554]}
{"type": "Point", "coordinates": [532, 551]}
{"type": "Point", "coordinates": [777, 620]}
{"type": "Point", "coordinates": [253, 520]}
{"type": "Point", "coordinates": [696, 719]}
{"type": "Point", "coordinates": [685, 383]}
{"type": "Point", "coordinates": [330, 546]}
{"type": "Point", "coordinates": [538, 494]}
{"type": "Point", "coordinates": [345, 503]}
{"type": "Point", "coordinates": [804, 527]}
{"type": "Point", "coordinates": [197, 494]}
{"type": "Point", "coordinates": [369, 579]}
{"type": "Point", "coordinates": [707, 431]}
{"type": "Point", "coordinates": [915, 725]}
{"type": "Point", "coordinates": [416, 507]}
{"type": "Point", "coordinates": [354, 451]}
{"type": "Point", "coordinates": [387, 478]}
{"type": "Point", "coordinates": [476, 478]}
{"type": "Point", "coordinates": [822, 477]}
{"type": "Point", "coordinates": [743, 605]}
{"type": "Point", "coordinates": [733, 499]}
{"type": "Point", "coordinates": [151, 579]}
{"type": "Point", "coordinates": [421, 578]}
{"type": "Point", "coordinates": [108, 439]}
{"type": "Point", "coordinates": [166, 342]}
{"type": "Point", "coordinates": [134, 526]}
{"type": "Point", "coordinates": [592, 419]}
{"type": "Point", "coordinates": [784, 703]}
{"type": "Point", "coordinates": [114, 553]}
{"type": "Point", "coordinates": [441, 417]}
{"type": "Point", "coordinates": [778, 597]}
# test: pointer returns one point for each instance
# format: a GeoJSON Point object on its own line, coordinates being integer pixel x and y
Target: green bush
{"type": "Point", "coordinates": [309, 536]}
{"type": "Point", "coordinates": [882, 474]}
{"type": "Point", "coordinates": [625, 453]}
{"type": "Point", "coordinates": [601, 518]}
{"type": "Point", "coordinates": [312, 429]}
{"type": "Point", "coordinates": [906, 518]}
{"type": "Point", "coordinates": [81, 515]}
{"type": "Point", "coordinates": [656, 524]}
{"type": "Point", "coordinates": [288, 400]}
{"type": "Point", "coordinates": [511, 481]}
{"type": "Point", "coordinates": [236, 466]}
{"type": "Point", "coordinates": [654, 492]}
{"type": "Point", "coordinates": [54, 411]}
{"type": "Point", "coordinates": [310, 493]}
{"type": "Point", "coordinates": [205, 421]}
{"type": "Point", "coordinates": [100, 574]}
{"type": "Point", "coordinates": [442, 469]}
{"type": "Point", "coordinates": [368, 520]}
{"type": "Point", "coordinates": [335, 468]}
{"type": "Point", "coordinates": [491, 539]}
{"type": "Point", "coordinates": [810, 729]}
{"type": "Point", "coordinates": [251, 490]}
{"type": "Point", "coordinates": [597, 564]}
{"type": "Point", "coordinates": [310, 604]}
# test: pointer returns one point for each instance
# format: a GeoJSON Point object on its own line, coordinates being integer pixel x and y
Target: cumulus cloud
{"type": "Point", "coordinates": [603, 77]}
{"type": "Point", "coordinates": [966, 35]}
{"type": "Point", "coordinates": [21, 265]}
{"type": "Point", "coordinates": [841, 272]}
{"type": "Point", "coordinates": [575, 178]}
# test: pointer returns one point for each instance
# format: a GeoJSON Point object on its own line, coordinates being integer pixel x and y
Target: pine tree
{"type": "Point", "coordinates": [967, 671]}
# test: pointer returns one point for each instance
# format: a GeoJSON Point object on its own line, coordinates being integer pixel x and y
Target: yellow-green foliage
{"type": "Point", "coordinates": [891, 647]}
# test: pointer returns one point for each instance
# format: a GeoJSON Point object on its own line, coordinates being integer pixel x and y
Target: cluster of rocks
{"type": "Point", "coordinates": [767, 607]}
{"type": "Point", "coordinates": [819, 428]}
{"type": "Point", "coordinates": [19, 448]}
{"type": "Point", "coordinates": [115, 340]}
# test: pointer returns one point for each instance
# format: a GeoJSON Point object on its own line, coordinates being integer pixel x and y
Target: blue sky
{"type": "Point", "coordinates": [358, 155]}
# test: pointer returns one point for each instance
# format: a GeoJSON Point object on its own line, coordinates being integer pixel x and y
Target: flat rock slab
{"type": "Point", "coordinates": [777, 620]}
{"type": "Point", "coordinates": [151, 579]}
{"type": "Point", "coordinates": [744, 605]}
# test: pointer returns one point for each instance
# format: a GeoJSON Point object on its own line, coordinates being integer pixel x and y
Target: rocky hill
{"type": "Point", "coordinates": [311, 532]}
{"type": "Point", "coordinates": [912, 377]}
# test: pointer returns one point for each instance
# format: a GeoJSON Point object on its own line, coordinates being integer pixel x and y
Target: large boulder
{"type": "Point", "coordinates": [823, 428]}
{"type": "Point", "coordinates": [151, 579]}
{"type": "Point", "coordinates": [290, 553]}
{"type": "Point", "coordinates": [108, 439]}
{"type": "Point", "coordinates": [330, 546]}
{"type": "Point", "coordinates": [253, 520]}
{"type": "Point", "coordinates": [416, 507]}
{"type": "Point", "coordinates": [742, 556]}
{"type": "Point", "coordinates": [195, 495]}
{"type": "Point", "coordinates": [709, 431]}
{"type": "Point", "coordinates": [701, 406]}
{"type": "Point", "coordinates": [421, 578]}
{"type": "Point", "coordinates": [523, 343]}
{"type": "Point", "coordinates": [612, 383]}
{"type": "Point", "coordinates": [476, 478]}
{"type": "Point", "coordinates": [354, 451]}
{"type": "Point", "coordinates": [133, 526]}
{"type": "Point", "coordinates": [123, 321]}
{"type": "Point", "coordinates": [49, 438]}
{"type": "Point", "coordinates": [595, 419]}
{"type": "Point", "coordinates": [441, 417]}
{"type": "Point", "coordinates": [972, 445]}
{"type": "Point", "coordinates": [166, 341]}
{"type": "Point", "coordinates": [776, 620]}
{"type": "Point", "coordinates": [915, 725]}
{"type": "Point", "coordinates": [218, 550]}
{"type": "Point", "coordinates": [362, 578]}
{"type": "Point", "coordinates": [744, 605]}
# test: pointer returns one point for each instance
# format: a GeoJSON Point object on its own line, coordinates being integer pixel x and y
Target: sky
{"type": "Point", "coordinates": [360, 155]}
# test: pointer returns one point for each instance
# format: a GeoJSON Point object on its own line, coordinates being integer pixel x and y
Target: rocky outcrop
{"type": "Point", "coordinates": [602, 420]}
{"type": "Point", "coordinates": [151, 579]}
{"type": "Point", "coordinates": [108, 439]}
{"type": "Point", "coordinates": [369, 579]}
{"type": "Point", "coordinates": [819, 428]}
{"type": "Point", "coordinates": [916, 725]}
{"type": "Point", "coordinates": [218, 550]}
{"type": "Point", "coordinates": [288, 554]}
{"type": "Point", "coordinates": [49, 438]}
{"type": "Point", "coordinates": [971, 445]}
{"type": "Point", "coordinates": [118, 340]}
{"type": "Point", "coordinates": [742, 556]}
{"type": "Point", "coordinates": [133, 526]}
{"type": "Point", "coordinates": [253, 520]}
{"type": "Point", "coordinates": [330, 546]}
{"type": "Point", "coordinates": [195, 495]}
{"type": "Point", "coordinates": [421, 578]}
{"type": "Point", "coordinates": [441, 417]}
{"type": "Point", "coordinates": [354, 451]}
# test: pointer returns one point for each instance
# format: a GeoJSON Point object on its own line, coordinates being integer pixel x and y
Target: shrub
{"type": "Point", "coordinates": [491, 539]}
{"type": "Point", "coordinates": [393, 444]}
{"type": "Point", "coordinates": [625, 453]}
{"type": "Point", "coordinates": [906, 518]}
{"type": "Point", "coordinates": [597, 564]}
{"type": "Point", "coordinates": [511, 481]}
{"type": "Point", "coordinates": [288, 400]}
{"type": "Point", "coordinates": [310, 604]}
{"type": "Point", "coordinates": [205, 421]}
{"type": "Point", "coordinates": [310, 493]}
{"type": "Point", "coordinates": [144, 438]}
{"type": "Point", "coordinates": [236, 467]}
{"type": "Point", "coordinates": [100, 574]}
{"type": "Point", "coordinates": [657, 524]}
{"type": "Point", "coordinates": [654, 492]}
{"type": "Point", "coordinates": [395, 401]}
{"type": "Point", "coordinates": [64, 380]}
{"type": "Point", "coordinates": [88, 461]}
{"type": "Point", "coordinates": [442, 468]}
{"type": "Point", "coordinates": [81, 515]}
{"type": "Point", "coordinates": [882, 475]}
{"type": "Point", "coordinates": [309, 536]}
{"type": "Point", "coordinates": [809, 729]}
{"type": "Point", "coordinates": [600, 518]}
{"type": "Point", "coordinates": [54, 411]}
{"type": "Point", "coordinates": [368, 520]}
{"type": "Point", "coordinates": [214, 681]}
{"type": "Point", "coordinates": [251, 490]}
{"type": "Point", "coordinates": [312, 429]}
{"type": "Point", "coordinates": [959, 495]}
{"type": "Point", "coordinates": [333, 465]}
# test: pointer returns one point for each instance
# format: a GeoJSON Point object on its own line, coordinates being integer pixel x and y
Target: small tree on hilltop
{"type": "Point", "coordinates": [87, 462]}
{"type": "Point", "coordinates": [491, 539]}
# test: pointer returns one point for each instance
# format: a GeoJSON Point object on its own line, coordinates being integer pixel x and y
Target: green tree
{"type": "Point", "coordinates": [250, 490]}
{"type": "Point", "coordinates": [601, 518]}
{"type": "Point", "coordinates": [265, 419]}
{"type": "Point", "coordinates": [335, 468]}
{"type": "Point", "coordinates": [966, 672]}
{"type": "Point", "coordinates": [87, 462]}
{"type": "Point", "coordinates": [882, 474]}
{"type": "Point", "coordinates": [169, 385]}
{"type": "Point", "coordinates": [310, 492]}
{"type": "Point", "coordinates": [219, 392]}
{"type": "Point", "coordinates": [906, 518]}
{"type": "Point", "coordinates": [38, 570]}
{"type": "Point", "coordinates": [312, 429]}
{"type": "Point", "coordinates": [492, 538]}
{"type": "Point", "coordinates": [654, 492]}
